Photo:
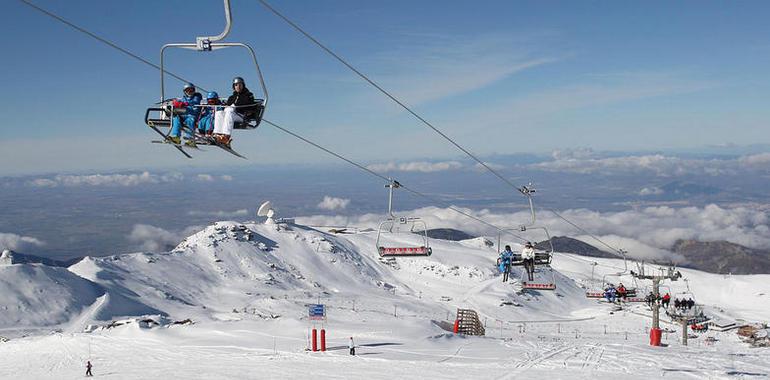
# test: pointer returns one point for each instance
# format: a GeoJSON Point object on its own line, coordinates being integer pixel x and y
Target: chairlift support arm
{"type": "Point", "coordinates": [204, 43]}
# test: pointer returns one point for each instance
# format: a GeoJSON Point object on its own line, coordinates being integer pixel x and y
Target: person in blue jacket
{"type": "Point", "coordinates": [505, 262]}
{"type": "Point", "coordinates": [610, 292]}
{"type": "Point", "coordinates": [206, 122]}
{"type": "Point", "coordinates": [190, 99]}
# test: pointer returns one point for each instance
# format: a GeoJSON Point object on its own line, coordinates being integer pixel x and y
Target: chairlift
{"type": "Point", "coordinates": [543, 257]}
{"type": "Point", "coordinates": [633, 292]}
{"type": "Point", "coordinates": [684, 311]}
{"type": "Point", "coordinates": [397, 224]}
{"type": "Point", "coordinates": [162, 113]}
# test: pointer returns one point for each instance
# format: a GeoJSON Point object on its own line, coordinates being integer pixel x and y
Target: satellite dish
{"type": "Point", "coordinates": [266, 209]}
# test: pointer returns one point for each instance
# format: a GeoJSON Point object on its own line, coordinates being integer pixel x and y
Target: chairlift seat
{"type": "Point", "coordinates": [404, 251]}
{"type": "Point", "coordinates": [541, 258]}
{"type": "Point", "coordinates": [164, 121]}
{"type": "Point", "coordinates": [539, 286]}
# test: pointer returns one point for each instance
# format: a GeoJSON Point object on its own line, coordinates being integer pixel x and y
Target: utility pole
{"type": "Point", "coordinates": [669, 274]}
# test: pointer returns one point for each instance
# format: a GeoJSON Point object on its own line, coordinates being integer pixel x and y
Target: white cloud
{"type": "Point", "coordinates": [17, 242]}
{"type": "Point", "coordinates": [220, 213]}
{"type": "Point", "coordinates": [761, 160]}
{"type": "Point", "coordinates": [332, 203]}
{"type": "Point", "coordinates": [155, 239]}
{"type": "Point", "coordinates": [491, 165]}
{"type": "Point", "coordinates": [416, 166]}
{"type": "Point", "coordinates": [654, 190]}
{"type": "Point", "coordinates": [211, 178]}
{"type": "Point", "coordinates": [646, 233]}
{"type": "Point", "coordinates": [134, 179]}
{"type": "Point", "coordinates": [655, 164]}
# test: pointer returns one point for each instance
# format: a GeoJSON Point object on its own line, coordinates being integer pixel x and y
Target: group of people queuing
{"type": "Point", "coordinates": [664, 300]}
{"type": "Point", "coordinates": [612, 294]}
{"type": "Point", "coordinates": [528, 260]}
{"type": "Point", "coordinates": [213, 119]}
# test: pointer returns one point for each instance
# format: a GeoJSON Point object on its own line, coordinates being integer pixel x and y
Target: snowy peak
{"type": "Point", "coordinates": [33, 295]}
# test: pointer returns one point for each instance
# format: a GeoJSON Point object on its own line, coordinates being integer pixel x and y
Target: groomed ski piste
{"type": "Point", "coordinates": [246, 287]}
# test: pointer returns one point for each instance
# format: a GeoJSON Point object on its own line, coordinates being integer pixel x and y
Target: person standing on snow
{"type": "Point", "coordinates": [528, 256]}
{"type": "Point", "coordinates": [505, 262]}
{"type": "Point", "coordinates": [241, 106]}
{"type": "Point", "coordinates": [188, 101]}
{"type": "Point", "coordinates": [352, 346]}
{"type": "Point", "coordinates": [88, 369]}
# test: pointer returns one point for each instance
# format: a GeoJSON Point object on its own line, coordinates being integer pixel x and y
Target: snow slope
{"type": "Point", "coordinates": [246, 286]}
{"type": "Point", "coordinates": [33, 296]}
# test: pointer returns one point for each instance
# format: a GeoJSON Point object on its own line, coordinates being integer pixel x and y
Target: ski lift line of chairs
{"type": "Point", "coordinates": [164, 112]}
{"type": "Point", "coordinates": [388, 225]}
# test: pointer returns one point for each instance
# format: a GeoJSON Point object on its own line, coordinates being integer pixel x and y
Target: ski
{"type": "Point", "coordinates": [183, 146]}
{"type": "Point", "coordinates": [212, 141]}
{"type": "Point", "coordinates": [230, 150]}
{"type": "Point", "coordinates": [166, 139]}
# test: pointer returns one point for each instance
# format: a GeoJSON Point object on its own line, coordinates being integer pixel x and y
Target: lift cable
{"type": "Point", "coordinates": [415, 114]}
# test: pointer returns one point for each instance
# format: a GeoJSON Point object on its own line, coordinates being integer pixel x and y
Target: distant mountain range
{"type": "Point", "coordinates": [716, 256]}
{"type": "Point", "coordinates": [723, 257]}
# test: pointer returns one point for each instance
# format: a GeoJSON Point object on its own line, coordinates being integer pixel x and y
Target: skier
{"type": "Point", "coordinates": [243, 100]}
{"type": "Point", "coordinates": [666, 300]}
{"type": "Point", "coordinates": [88, 369]}
{"type": "Point", "coordinates": [505, 262]}
{"type": "Point", "coordinates": [188, 101]}
{"type": "Point", "coordinates": [677, 304]}
{"type": "Point", "coordinates": [352, 346]}
{"type": "Point", "coordinates": [206, 122]}
{"type": "Point", "coordinates": [609, 293]}
{"type": "Point", "coordinates": [690, 303]}
{"type": "Point", "coordinates": [622, 292]}
{"type": "Point", "coordinates": [649, 299]}
{"type": "Point", "coordinates": [528, 256]}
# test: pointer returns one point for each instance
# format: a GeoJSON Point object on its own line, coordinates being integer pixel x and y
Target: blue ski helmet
{"type": "Point", "coordinates": [212, 95]}
{"type": "Point", "coordinates": [188, 85]}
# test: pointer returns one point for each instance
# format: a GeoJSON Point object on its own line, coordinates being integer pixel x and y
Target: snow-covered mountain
{"type": "Point", "coordinates": [243, 282]}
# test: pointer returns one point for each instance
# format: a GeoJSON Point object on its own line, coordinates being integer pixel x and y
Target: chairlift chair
{"type": "Point", "coordinates": [160, 115]}
{"type": "Point", "coordinates": [392, 225]}
{"type": "Point", "coordinates": [543, 259]}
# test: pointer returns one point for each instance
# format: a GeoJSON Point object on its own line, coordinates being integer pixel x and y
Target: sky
{"type": "Point", "coordinates": [501, 77]}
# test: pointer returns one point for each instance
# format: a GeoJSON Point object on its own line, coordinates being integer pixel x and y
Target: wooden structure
{"type": "Point", "coordinates": [468, 323]}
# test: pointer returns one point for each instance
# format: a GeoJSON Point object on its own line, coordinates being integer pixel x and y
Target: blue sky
{"type": "Point", "coordinates": [500, 76]}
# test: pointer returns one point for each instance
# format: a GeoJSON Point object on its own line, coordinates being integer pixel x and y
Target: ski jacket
{"type": "Point", "coordinates": [209, 110]}
{"type": "Point", "coordinates": [528, 253]}
{"type": "Point", "coordinates": [506, 257]}
{"type": "Point", "coordinates": [666, 297]}
{"type": "Point", "coordinates": [241, 99]}
{"type": "Point", "coordinates": [190, 101]}
{"type": "Point", "coordinates": [350, 344]}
